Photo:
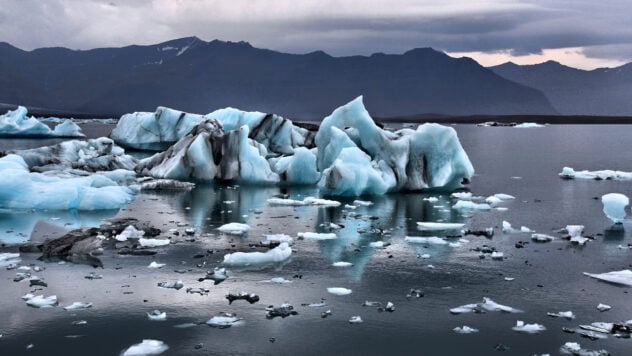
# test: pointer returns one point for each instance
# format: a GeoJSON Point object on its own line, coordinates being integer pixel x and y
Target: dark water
{"type": "Point", "coordinates": [548, 277]}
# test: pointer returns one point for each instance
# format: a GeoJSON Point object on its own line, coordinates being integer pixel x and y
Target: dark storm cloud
{"type": "Point", "coordinates": [336, 26]}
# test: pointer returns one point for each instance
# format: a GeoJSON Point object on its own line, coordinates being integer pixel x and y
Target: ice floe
{"type": "Point", "coordinates": [617, 277]}
{"type": "Point", "coordinates": [8, 259]}
{"type": "Point", "coordinates": [342, 264]}
{"type": "Point", "coordinates": [465, 330]}
{"type": "Point", "coordinates": [282, 311]}
{"type": "Point", "coordinates": [234, 228]}
{"type": "Point", "coordinates": [155, 264]}
{"type": "Point", "coordinates": [487, 304]}
{"type": "Point", "coordinates": [224, 320]}
{"type": "Point", "coordinates": [317, 235]}
{"type": "Point", "coordinates": [157, 315]}
{"type": "Point", "coordinates": [542, 238]}
{"type": "Point", "coordinates": [603, 307]}
{"type": "Point", "coordinates": [432, 226]}
{"type": "Point", "coordinates": [22, 189]}
{"type": "Point", "coordinates": [16, 123]}
{"type": "Point", "coordinates": [78, 306]}
{"type": "Point", "coordinates": [130, 232]}
{"type": "Point", "coordinates": [339, 291]}
{"type": "Point", "coordinates": [40, 301]}
{"type": "Point", "coordinates": [177, 285]}
{"type": "Point", "coordinates": [430, 240]}
{"type": "Point", "coordinates": [614, 206]}
{"type": "Point", "coordinates": [278, 254]}
{"type": "Point", "coordinates": [356, 319]}
{"type": "Point", "coordinates": [528, 125]}
{"type": "Point", "coordinates": [145, 348]}
{"type": "Point", "coordinates": [573, 348]}
{"type": "Point", "coordinates": [528, 328]}
{"type": "Point", "coordinates": [566, 315]}
{"type": "Point", "coordinates": [570, 173]}
{"type": "Point", "coordinates": [153, 242]}
{"type": "Point", "coordinates": [277, 238]}
{"type": "Point", "coordinates": [575, 233]}
{"type": "Point", "coordinates": [470, 205]}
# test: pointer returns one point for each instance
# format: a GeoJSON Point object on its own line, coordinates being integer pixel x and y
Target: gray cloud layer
{"type": "Point", "coordinates": [336, 26]}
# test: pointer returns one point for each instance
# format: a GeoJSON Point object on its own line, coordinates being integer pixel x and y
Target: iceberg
{"type": "Point", "coordinates": [99, 154]}
{"type": "Point", "coordinates": [22, 189]}
{"type": "Point", "coordinates": [147, 347]}
{"type": "Point", "coordinates": [348, 155]}
{"type": "Point", "coordinates": [614, 206]}
{"type": "Point", "coordinates": [16, 124]}
{"type": "Point", "coordinates": [277, 254]}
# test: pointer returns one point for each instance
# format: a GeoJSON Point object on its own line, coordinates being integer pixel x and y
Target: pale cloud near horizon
{"type": "Point", "coordinates": [519, 30]}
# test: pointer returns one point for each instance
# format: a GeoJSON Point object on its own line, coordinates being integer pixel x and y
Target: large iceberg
{"type": "Point", "coordinates": [16, 124]}
{"type": "Point", "coordinates": [353, 156]}
{"type": "Point", "coordinates": [99, 154]}
{"type": "Point", "coordinates": [21, 189]}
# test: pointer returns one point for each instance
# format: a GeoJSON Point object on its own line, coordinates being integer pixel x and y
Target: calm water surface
{"type": "Point", "coordinates": [520, 162]}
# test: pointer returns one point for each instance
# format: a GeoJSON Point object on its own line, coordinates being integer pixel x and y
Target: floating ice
{"type": "Point", "coordinates": [16, 124]}
{"type": "Point", "coordinates": [431, 226]}
{"type": "Point", "coordinates": [155, 264]}
{"type": "Point", "coordinates": [528, 125]}
{"type": "Point", "coordinates": [575, 232]}
{"type": "Point", "coordinates": [78, 306]}
{"type": "Point", "coordinates": [283, 311]}
{"type": "Point", "coordinates": [177, 285]}
{"type": "Point", "coordinates": [497, 255]}
{"type": "Point", "coordinates": [7, 259]}
{"type": "Point", "coordinates": [618, 277]}
{"type": "Point", "coordinates": [503, 196]}
{"type": "Point", "coordinates": [153, 242]}
{"type": "Point", "coordinates": [566, 315]}
{"type": "Point", "coordinates": [249, 297]}
{"type": "Point", "coordinates": [465, 330]}
{"type": "Point", "coordinates": [166, 185]}
{"type": "Point", "coordinates": [157, 315]}
{"type": "Point", "coordinates": [573, 348]}
{"type": "Point", "coordinates": [432, 240]}
{"type": "Point", "coordinates": [603, 307]}
{"type": "Point", "coordinates": [355, 320]}
{"type": "Point", "coordinates": [130, 232]}
{"type": "Point", "coordinates": [22, 189]}
{"type": "Point", "coordinates": [487, 304]}
{"type": "Point", "coordinates": [339, 291]}
{"type": "Point", "coordinates": [147, 347]}
{"type": "Point", "coordinates": [377, 244]}
{"type": "Point", "coordinates": [541, 238]}
{"type": "Point", "coordinates": [223, 321]}
{"type": "Point", "coordinates": [277, 254]}
{"type": "Point", "coordinates": [493, 201]}
{"type": "Point", "coordinates": [40, 301]}
{"type": "Point", "coordinates": [277, 238]}
{"type": "Point", "coordinates": [234, 228]}
{"type": "Point", "coordinates": [470, 205]}
{"type": "Point", "coordinates": [462, 195]}
{"type": "Point", "coordinates": [570, 173]}
{"type": "Point", "coordinates": [276, 280]}
{"type": "Point", "coordinates": [614, 206]}
{"type": "Point", "coordinates": [306, 201]}
{"type": "Point", "coordinates": [317, 235]}
{"type": "Point", "coordinates": [362, 203]}
{"type": "Point", "coordinates": [342, 264]}
{"type": "Point", "coordinates": [528, 328]}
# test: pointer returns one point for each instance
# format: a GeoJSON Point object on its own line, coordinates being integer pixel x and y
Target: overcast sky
{"type": "Point", "coordinates": [585, 34]}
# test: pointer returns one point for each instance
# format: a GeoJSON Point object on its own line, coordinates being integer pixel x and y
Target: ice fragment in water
{"type": "Point", "coordinates": [155, 264]}
{"type": "Point", "coordinates": [173, 285]}
{"type": "Point", "coordinates": [277, 254]}
{"type": "Point", "coordinates": [147, 347]}
{"type": "Point", "coordinates": [355, 320]}
{"type": "Point", "coordinates": [78, 306]}
{"type": "Point", "coordinates": [618, 277]}
{"type": "Point", "coordinates": [283, 311]}
{"type": "Point", "coordinates": [317, 236]}
{"type": "Point", "coordinates": [603, 307]}
{"type": "Point", "coordinates": [541, 238]}
{"type": "Point", "coordinates": [573, 348]}
{"type": "Point", "coordinates": [470, 205]}
{"type": "Point", "coordinates": [487, 304]}
{"type": "Point", "coordinates": [465, 330]}
{"type": "Point", "coordinates": [566, 315]}
{"type": "Point", "coordinates": [339, 291]}
{"type": "Point", "coordinates": [153, 242]}
{"type": "Point", "coordinates": [528, 328]}
{"type": "Point", "coordinates": [342, 264]}
{"type": "Point", "coordinates": [157, 315]}
{"type": "Point", "coordinates": [224, 320]}
{"type": "Point", "coordinates": [40, 301]}
{"type": "Point", "coordinates": [130, 232]}
{"type": "Point", "coordinates": [234, 228]}
{"type": "Point", "coordinates": [614, 206]}
{"type": "Point", "coordinates": [430, 226]}
{"type": "Point", "coordinates": [431, 240]}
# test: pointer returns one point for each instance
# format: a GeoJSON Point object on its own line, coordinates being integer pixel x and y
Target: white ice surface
{"type": "Point", "coordinates": [339, 291]}
{"type": "Point", "coordinates": [234, 228]}
{"type": "Point", "coordinates": [147, 347]}
{"type": "Point", "coordinates": [614, 206]}
{"type": "Point", "coordinates": [618, 277]}
{"type": "Point", "coordinates": [275, 255]}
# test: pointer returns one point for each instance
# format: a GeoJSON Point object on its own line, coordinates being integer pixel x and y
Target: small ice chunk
{"type": "Point", "coordinates": [614, 206]}
{"type": "Point", "coordinates": [317, 236]}
{"type": "Point", "coordinates": [566, 315]}
{"type": "Point", "coordinates": [509, 279]}
{"type": "Point", "coordinates": [528, 328]}
{"type": "Point", "coordinates": [155, 264]}
{"type": "Point", "coordinates": [218, 275]}
{"type": "Point", "coordinates": [224, 320]}
{"type": "Point", "coordinates": [40, 301]}
{"type": "Point", "coordinates": [278, 238]}
{"type": "Point", "coordinates": [470, 205]}
{"type": "Point", "coordinates": [157, 315]}
{"type": "Point", "coordinates": [153, 242]}
{"type": "Point", "coordinates": [493, 200]}
{"type": "Point", "coordinates": [177, 285]}
{"type": "Point", "coordinates": [130, 232]}
{"type": "Point", "coordinates": [431, 199]}
{"type": "Point", "coordinates": [283, 311]}
{"type": "Point", "coordinates": [425, 256]}
{"type": "Point", "coordinates": [377, 244]}
{"type": "Point", "coordinates": [323, 202]}
{"type": "Point", "coordinates": [603, 307]}
{"type": "Point", "coordinates": [502, 196]}
{"type": "Point", "coordinates": [234, 228]}
{"type": "Point", "coordinates": [78, 306]}
{"type": "Point", "coordinates": [525, 229]}
{"type": "Point", "coordinates": [277, 254]}
{"type": "Point", "coordinates": [528, 125]}
{"type": "Point", "coordinates": [575, 232]}
{"type": "Point", "coordinates": [497, 255]}
{"type": "Point", "coordinates": [573, 348]}
{"type": "Point", "coordinates": [465, 330]}
{"type": "Point", "coordinates": [342, 264]}
{"type": "Point", "coordinates": [431, 240]}
{"type": "Point", "coordinates": [487, 304]}
{"type": "Point", "coordinates": [362, 203]}
{"type": "Point", "coordinates": [147, 347]}
{"type": "Point", "coordinates": [356, 319]}
{"type": "Point", "coordinates": [276, 280]}
{"type": "Point", "coordinates": [339, 291]}
{"type": "Point", "coordinates": [507, 229]}
{"type": "Point", "coordinates": [541, 238]}
{"type": "Point", "coordinates": [462, 195]}
{"type": "Point", "coordinates": [618, 277]}
{"type": "Point", "coordinates": [432, 226]}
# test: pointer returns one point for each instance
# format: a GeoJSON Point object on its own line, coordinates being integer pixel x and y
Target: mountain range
{"type": "Point", "coordinates": [198, 76]}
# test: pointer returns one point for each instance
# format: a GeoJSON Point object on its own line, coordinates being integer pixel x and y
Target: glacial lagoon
{"type": "Point", "coordinates": [536, 278]}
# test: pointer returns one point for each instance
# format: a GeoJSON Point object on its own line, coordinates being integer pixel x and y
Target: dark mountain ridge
{"type": "Point", "coordinates": [197, 76]}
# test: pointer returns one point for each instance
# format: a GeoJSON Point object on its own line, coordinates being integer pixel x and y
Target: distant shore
{"type": "Point", "coordinates": [437, 118]}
